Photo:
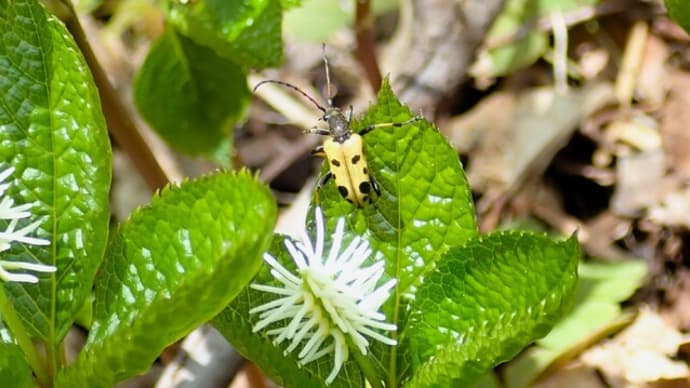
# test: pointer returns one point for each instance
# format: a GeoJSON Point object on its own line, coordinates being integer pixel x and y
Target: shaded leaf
{"type": "Point", "coordinates": [191, 96]}
{"type": "Point", "coordinates": [680, 12]}
{"type": "Point", "coordinates": [14, 371]}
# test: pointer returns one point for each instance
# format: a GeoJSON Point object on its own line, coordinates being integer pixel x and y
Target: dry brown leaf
{"type": "Point", "coordinates": [677, 301]}
{"type": "Point", "coordinates": [593, 62]}
{"type": "Point", "coordinates": [435, 44]}
{"type": "Point", "coordinates": [541, 124]}
{"type": "Point", "coordinates": [652, 81]}
{"type": "Point", "coordinates": [639, 178]}
{"type": "Point", "coordinates": [673, 209]}
{"type": "Point", "coordinates": [494, 113]}
{"type": "Point", "coordinates": [572, 375]}
{"type": "Point", "coordinates": [675, 117]}
{"type": "Point", "coordinates": [636, 130]}
{"type": "Point", "coordinates": [640, 354]}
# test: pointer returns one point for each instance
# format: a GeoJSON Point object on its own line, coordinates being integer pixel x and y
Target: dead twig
{"type": "Point", "coordinates": [366, 48]}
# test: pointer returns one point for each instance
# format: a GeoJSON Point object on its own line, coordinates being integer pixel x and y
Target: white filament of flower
{"type": "Point", "coordinates": [332, 297]}
{"type": "Point", "coordinates": [8, 211]}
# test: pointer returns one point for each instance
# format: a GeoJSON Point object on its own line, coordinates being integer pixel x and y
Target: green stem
{"type": "Point", "coordinates": [366, 367]}
{"type": "Point", "coordinates": [15, 326]}
{"type": "Point", "coordinates": [51, 360]}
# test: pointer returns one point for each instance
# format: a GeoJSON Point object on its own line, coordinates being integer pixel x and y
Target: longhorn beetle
{"type": "Point", "coordinates": [344, 149]}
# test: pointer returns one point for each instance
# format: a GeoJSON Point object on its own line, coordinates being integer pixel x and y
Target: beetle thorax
{"type": "Point", "coordinates": [338, 125]}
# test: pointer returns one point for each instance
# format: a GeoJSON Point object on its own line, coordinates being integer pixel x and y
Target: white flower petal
{"type": "Point", "coordinates": [296, 254]}
{"type": "Point", "coordinates": [6, 266]}
{"type": "Point", "coordinates": [17, 277]}
{"type": "Point", "coordinates": [6, 173]}
{"type": "Point", "coordinates": [272, 289]}
{"type": "Point", "coordinates": [8, 211]}
{"type": "Point", "coordinates": [323, 352]}
{"type": "Point", "coordinates": [26, 265]}
{"type": "Point", "coordinates": [320, 233]}
{"type": "Point", "coordinates": [331, 297]}
{"type": "Point", "coordinates": [341, 354]}
{"type": "Point", "coordinates": [337, 241]}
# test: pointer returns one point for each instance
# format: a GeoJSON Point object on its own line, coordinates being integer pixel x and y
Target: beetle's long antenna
{"type": "Point", "coordinates": [293, 87]}
{"type": "Point", "coordinates": [329, 97]}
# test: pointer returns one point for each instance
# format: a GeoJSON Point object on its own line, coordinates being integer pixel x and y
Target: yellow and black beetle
{"type": "Point", "coordinates": [344, 150]}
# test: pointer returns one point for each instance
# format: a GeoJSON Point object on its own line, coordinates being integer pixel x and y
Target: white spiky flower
{"type": "Point", "coordinates": [328, 297]}
{"type": "Point", "coordinates": [8, 211]}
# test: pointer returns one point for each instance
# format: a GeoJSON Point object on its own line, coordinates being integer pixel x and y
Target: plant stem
{"type": "Point", "coordinates": [15, 326]}
{"type": "Point", "coordinates": [120, 123]}
{"type": "Point", "coordinates": [367, 368]}
{"type": "Point", "coordinates": [366, 47]}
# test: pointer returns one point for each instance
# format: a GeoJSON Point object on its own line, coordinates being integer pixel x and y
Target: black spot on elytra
{"type": "Point", "coordinates": [365, 171]}
{"type": "Point", "coordinates": [335, 162]}
{"type": "Point", "coordinates": [343, 191]}
{"type": "Point", "coordinates": [349, 200]}
{"type": "Point", "coordinates": [355, 159]}
{"type": "Point", "coordinates": [365, 187]}
{"type": "Point", "coordinates": [365, 198]}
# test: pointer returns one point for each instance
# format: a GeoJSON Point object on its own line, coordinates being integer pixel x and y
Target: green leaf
{"type": "Point", "coordinates": [679, 10]}
{"type": "Point", "coordinates": [600, 290]}
{"type": "Point", "coordinates": [424, 209]}
{"type": "Point", "coordinates": [287, 4]}
{"type": "Point", "coordinates": [317, 21]}
{"type": "Point", "coordinates": [54, 134]}
{"type": "Point", "coordinates": [247, 32]}
{"type": "Point", "coordinates": [519, 19]}
{"type": "Point", "coordinates": [484, 302]}
{"type": "Point", "coordinates": [425, 205]}
{"type": "Point", "coordinates": [172, 266]}
{"type": "Point", "coordinates": [191, 96]}
{"type": "Point", "coordinates": [14, 371]}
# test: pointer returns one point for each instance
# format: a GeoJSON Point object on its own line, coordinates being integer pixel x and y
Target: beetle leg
{"type": "Point", "coordinates": [375, 186]}
{"type": "Point", "coordinates": [318, 151]}
{"type": "Point", "coordinates": [349, 117]}
{"type": "Point", "coordinates": [371, 127]}
{"type": "Point", "coordinates": [317, 131]}
{"type": "Point", "coordinates": [324, 180]}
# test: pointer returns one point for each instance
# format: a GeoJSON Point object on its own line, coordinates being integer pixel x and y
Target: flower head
{"type": "Point", "coordinates": [328, 300]}
{"type": "Point", "coordinates": [8, 211]}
